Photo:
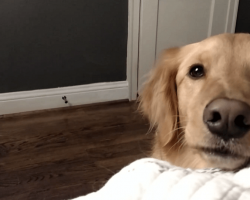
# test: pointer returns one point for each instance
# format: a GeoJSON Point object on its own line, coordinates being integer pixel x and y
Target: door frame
{"type": "Point", "coordinates": [133, 47]}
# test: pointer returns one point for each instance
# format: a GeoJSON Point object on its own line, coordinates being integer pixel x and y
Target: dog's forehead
{"type": "Point", "coordinates": [224, 49]}
{"type": "Point", "coordinates": [235, 46]}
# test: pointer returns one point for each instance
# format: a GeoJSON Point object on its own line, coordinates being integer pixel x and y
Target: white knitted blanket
{"type": "Point", "coordinates": [152, 179]}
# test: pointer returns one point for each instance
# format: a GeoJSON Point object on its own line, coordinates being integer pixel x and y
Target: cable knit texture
{"type": "Point", "coordinates": [152, 179]}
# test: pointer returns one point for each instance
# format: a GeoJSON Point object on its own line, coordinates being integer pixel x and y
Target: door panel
{"type": "Point", "coordinates": [181, 22]}
{"type": "Point", "coordinates": [178, 23]}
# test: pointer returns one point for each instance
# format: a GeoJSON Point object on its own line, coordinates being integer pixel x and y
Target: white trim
{"type": "Point", "coordinates": [211, 19]}
{"type": "Point", "coordinates": [148, 38]}
{"type": "Point", "coordinates": [234, 16]}
{"type": "Point", "coordinates": [52, 98]}
{"type": "Point", "coordinates": [133, 45]}
{"type": "Point", "coordinates": [228, 13]}
{"type": "Point", "coordinates": [223, 17]}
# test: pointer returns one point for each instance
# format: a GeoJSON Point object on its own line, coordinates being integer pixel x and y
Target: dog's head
{"type": "Point", "coordinates": [198, 97]}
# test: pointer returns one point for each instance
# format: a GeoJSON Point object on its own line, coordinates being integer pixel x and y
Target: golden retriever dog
{"type": "Point", "coordinates": [198, 99]}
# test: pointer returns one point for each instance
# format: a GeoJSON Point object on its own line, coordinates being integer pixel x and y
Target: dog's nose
{"type": "Point", "coordinates": [227, 118]}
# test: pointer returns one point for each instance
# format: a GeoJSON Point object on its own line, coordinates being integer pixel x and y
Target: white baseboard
{"type": "Point", "coordinates": [17, 102]}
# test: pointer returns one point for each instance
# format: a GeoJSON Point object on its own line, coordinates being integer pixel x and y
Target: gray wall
{"type": "Point", "coordinates": [56, 43]}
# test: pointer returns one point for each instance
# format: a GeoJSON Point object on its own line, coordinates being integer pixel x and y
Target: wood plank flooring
{"type": "Point", "coordinates": [64, 153]}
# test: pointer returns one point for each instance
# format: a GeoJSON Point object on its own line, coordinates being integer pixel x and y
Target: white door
{"type": "Point", "coordinates": [173, 23]}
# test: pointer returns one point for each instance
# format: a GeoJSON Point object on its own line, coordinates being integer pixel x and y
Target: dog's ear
{"type": "Point", "coordinates": [158, 99]}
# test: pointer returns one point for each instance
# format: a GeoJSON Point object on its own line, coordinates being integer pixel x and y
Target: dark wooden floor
{"type": "Point", "coordinates": [65, 153]}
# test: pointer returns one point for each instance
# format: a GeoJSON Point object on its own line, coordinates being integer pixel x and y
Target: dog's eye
{"type": "Point", "coordinates": [197, 71]}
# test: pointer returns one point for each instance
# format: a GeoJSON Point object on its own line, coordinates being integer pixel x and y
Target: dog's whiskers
{"type": "Point", "coordinates": [180, 135]}
{"type": "Point", "coordinates": [182, 140]}
{"type": "Point", "coordinates": [151, 127]}
{"type": "Point", "coordinates": [182, 144]}
{"type": "Point", "coordinates": [176, 129]}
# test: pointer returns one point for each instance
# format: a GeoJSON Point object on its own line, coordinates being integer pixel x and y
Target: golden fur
{"type": "Point", "coordinates": [174, 103]}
